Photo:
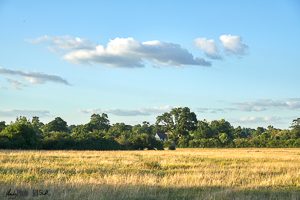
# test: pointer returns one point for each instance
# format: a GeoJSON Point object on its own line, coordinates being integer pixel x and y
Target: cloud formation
{"type": "Point", "coordinates": [258, 120]}
{"type": "Point", "coordinates": [233, 44]}
{"type": "Point", "coordinates": [130, 112]}
{"type": "Point", "coordinates": [26, 113]}
{"type": "Point", "coordinates": [209, 47]}
{"type": "Point", "coordinates": [128, 52]}
{"type": "Point", "coordinates": [32, 77]}
{"type": "Point", "coordinates": [17, 85]}
{"type": "Point", "coordinates": [65, 42]}
{"type": "Point", "coordinates": [122, 52]}
{"type": "Point", "coordinates": [214, 110]}
{"type": "Point", "coordinates": [265, 104]}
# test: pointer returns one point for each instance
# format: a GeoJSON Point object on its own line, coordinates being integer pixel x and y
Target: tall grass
{"type": "Point", "coordinates": [181, 174]}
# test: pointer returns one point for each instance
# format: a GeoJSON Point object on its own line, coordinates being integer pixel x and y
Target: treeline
{"type": "Point", "coordinates": [180, 126]}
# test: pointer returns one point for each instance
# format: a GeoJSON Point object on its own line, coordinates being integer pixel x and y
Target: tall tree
{"type": "Point", "coordinates": [98, 122]}
{"type": "Point", "coordinates": [2, 125]}
{"type": "Point", "coordinates": [178, 122]}
{"type": "Point", "coordinates": [56, 125]}
{"type": "Point", "coordinates": [203, 130]}
{"type": "Point", "coordinates": [37, 124]}
{"type": "Point", "coordinates": [221, 126]}
{"type": "Point", "coordinates": [20, 134]}
{"type": "Point", "coordinates": [296, 128]}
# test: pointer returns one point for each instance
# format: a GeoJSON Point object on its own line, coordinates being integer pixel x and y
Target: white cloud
{"type": "Point", "coordinates": [16, 84]}
{"type": "Point", "coordinates": [214, 110]}
{"type": "Point", "coordinates": [65, 42]}
{"type": "Point", "coordinates": [233, 44]}
{"type": "Point", "coordinates": [123, 52]}
{"type": "Point", "coordinates": [32, 77]}
{"type": "Point", "coordinates": [209, 47]}
{"type": "Point", "coordinates": [265, 104]}
{"type": "Point", "coordinates": [130, 112]}
{"type": "Point", "coordinates": [258, 120]}
{"type": "Point", "coordinates": [26, 113]}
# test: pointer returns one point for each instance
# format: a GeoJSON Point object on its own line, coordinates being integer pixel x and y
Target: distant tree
{"type": "Point", "coordinates": [177, 123]}
{"type": "Point", "coordinates": [203, 130]}
{"type": "Point", "coordinates": [241, 142]}
{"type": "Point", "coordinates": [71, 127]}
{"type": "Point", "coordinates": [183, 142]}
{"type": "Point", "coordinates": [118, 129]}
{"type": "Point", "coordinates": [37, 125]}
{"type": "Point", "coordinates": [222, 126]}
{"type": "Point", "coordinates": [296, 128]}
{"type": "Point", "coordinates": [238, 132]}
{"type": "Point", "coordinates": [259, 131]}
{"type": "Point", "coordinates": [180, 124]}
{"type": "Point", "coordinates": [98, 122]}
{"type": "Point", "coordinates": [146, 127]}
{"type": "Point", "coordinates": [20, 134]}
{"type": "Point", "coordinates": [224, 138]}
{"type": "Point", "coordinates": [57, 140]}
{"type": "Point", "coordinates": [79, 131]}
{"type": "Point", "coordinates": [2, 125]}
{"type": "Point", "coordinates": [57, 125]}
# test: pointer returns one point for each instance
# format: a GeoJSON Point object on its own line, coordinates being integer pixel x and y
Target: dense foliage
{"type": "Point", "coordinates": [180, 125]}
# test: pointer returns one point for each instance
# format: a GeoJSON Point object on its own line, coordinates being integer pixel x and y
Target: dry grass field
{"type": "Point", "coordinates": [180, 174]}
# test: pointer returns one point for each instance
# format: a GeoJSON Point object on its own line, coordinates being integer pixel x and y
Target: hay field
{"type": "Point", "coordinates": [181, 174]}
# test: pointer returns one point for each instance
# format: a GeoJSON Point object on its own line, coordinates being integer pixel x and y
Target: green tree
{"type": "Point", "coordinates": [221, 126]}
{"type": "Point", "coordinates": [20, 134]}
{"type": "Point", "coordinates": [259, 131]}
{"type": "Point", "coordinates": [177, 123]}
{"type": "Point", "coordinates": [203, 130]}
{"type": "Point", "coordinates": [56, 125]}
{"type": "Point", "coordinates": [118, 129]}
{"type": "Point", "coordinates": [2, 125]}
{"type": "Point", "coordinates": [98, 122]}
{"type": "Point", "coordinates": [57, 140]}
{"type": "Point", "coordinates": [37, 125]}
{"type": "Point", "coordinates": [144, 128]}
{"type": "Point", "coordinates": [224, 139]}
{"type": "Point", "coordinates": [296, 128]}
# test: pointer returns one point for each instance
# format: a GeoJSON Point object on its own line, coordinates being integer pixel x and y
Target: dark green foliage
{"type": "Point", "coordinates": [57, 140]}
{"type": "Point", "coordinates": [177, 123]}
{"type": "Point", "coordinates": [203, 130]}
{"type": "Point", "coordinates": [98, 122]}
{"type": "Point", "coordinates": [57, 125]}
{"type": "Point", "coordinates": [296, 128]}
{"type": "Point", "coordinates": [19, 135]}
{"type": "Point", "coordinates": [2, 125]}
{"type": "Point", "coordinates": [180, 124]}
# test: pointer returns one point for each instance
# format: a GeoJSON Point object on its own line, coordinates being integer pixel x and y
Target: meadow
{"type": "Point", "coordinates": [181, 174]}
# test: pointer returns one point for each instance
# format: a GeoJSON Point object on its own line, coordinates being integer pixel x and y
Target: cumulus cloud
{"type": "Point", "coordinates": [209, 47]}
{"type": "Point", "coordinates": [123, 52]}
{"type": "Point", "coordinates": [233, 44]}
{"type": "Point", "coordinates": [32, 77]}
{"type": "Point", "coordinates": [26, 113]}
{"type": "Point", "coordinates": [128, 52]}
{"type": "Point", "coordinates": [265, 104]}
{"type": "Point", "coordinates": [65, 42]}
{"type": "Point", "coordinates": [130, 112]}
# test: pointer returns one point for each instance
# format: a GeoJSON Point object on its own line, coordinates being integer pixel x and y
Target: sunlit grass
{"type": "Point", "coordinates": [184, 173]}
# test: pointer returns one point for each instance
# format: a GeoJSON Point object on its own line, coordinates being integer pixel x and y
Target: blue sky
{"type": "Point", "coordinates": [137, 59]}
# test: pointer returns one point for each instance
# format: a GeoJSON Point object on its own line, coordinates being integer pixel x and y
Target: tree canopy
{"type": "Point", "coordinates": [180, 125]}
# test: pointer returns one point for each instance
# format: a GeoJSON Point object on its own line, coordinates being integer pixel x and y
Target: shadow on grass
{"type": "Point", "coordinates": [115, 192]}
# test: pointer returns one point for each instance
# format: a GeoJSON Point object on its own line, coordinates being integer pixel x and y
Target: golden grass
{"type": "Point", "coordinates": [181, 174]}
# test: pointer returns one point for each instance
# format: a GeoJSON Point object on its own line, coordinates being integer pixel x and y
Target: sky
{"type": "Point", "coordinates": [134, 60]}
